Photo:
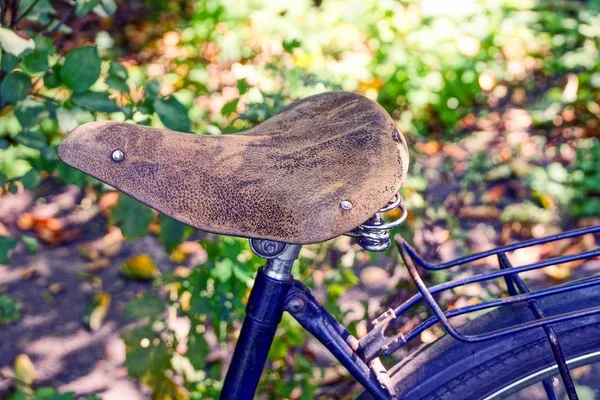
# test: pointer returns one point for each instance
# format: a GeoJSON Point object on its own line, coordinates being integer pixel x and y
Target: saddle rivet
{"type": "Point", "coordinates": [117, 155]}
{"type": "Point", "coordinates": [346, 205]}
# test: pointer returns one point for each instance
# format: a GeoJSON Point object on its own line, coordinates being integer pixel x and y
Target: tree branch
{"type": "Point", "coordinates": [61, 22]}
{"type": "Point", "coordinates": [4, 5]}
{"type": "Point", "coordinates": [27, 11]}
{"type": "Point", "coordinates": [13, 12]}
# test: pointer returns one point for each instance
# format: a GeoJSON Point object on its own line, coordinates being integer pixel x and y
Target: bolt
{"type": "Point", "coordinates": [117, 155]}
{"type": "Point", "coordinates": [346, 205]}
{"type": "Point", "coordinates": [296, 304]}
{"type": "Point", "coordinates": [269, 246]}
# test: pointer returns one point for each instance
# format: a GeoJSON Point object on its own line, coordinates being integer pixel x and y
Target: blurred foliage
{"type": "Point", "coordinates": [221, 66]}
{"type": "Point", "coordinates": [9, 310]}
{"type": "Point", "coordinates": [586, 180]}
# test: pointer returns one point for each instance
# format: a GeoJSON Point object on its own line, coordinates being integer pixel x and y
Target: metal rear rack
{"type": "Point", "coordinates": [378, 342]}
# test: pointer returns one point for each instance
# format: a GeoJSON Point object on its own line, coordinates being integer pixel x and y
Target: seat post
{"type": "Point", "coordinates": [263, 314]}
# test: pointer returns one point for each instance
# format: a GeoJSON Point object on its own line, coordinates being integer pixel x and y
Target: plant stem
{"type": "Point", "coordinates": [27, 11]}
{"type": "Point", "coordinates": [61, 22]}
{"type": "Point", "coordinates": [13, 12]}
{"type": "Point", "coordinates": [4, 5]}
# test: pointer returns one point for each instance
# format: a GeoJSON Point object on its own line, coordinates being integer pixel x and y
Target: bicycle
{"type": "Point", "coordinates": [326, 166]}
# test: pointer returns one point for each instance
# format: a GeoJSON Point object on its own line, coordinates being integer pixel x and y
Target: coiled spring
{"type": "Point", "coordinates": [374, 235]}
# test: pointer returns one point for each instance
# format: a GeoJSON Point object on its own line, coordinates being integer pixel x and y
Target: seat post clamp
{"type": "Point", "coordinates": [280, 257]}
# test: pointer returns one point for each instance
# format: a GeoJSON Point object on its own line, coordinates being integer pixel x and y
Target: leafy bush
{"type": "Point", "coordinates": [225, 65]}
{"type": "Point", "coordinates": [585, 178]}
{"type": "Point", "coordinates": [44, 95]}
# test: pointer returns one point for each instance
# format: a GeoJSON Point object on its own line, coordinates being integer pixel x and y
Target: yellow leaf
{"type": "Point", "coordinates": [178, 256]}
{"type": "Point", "coordinates": [140, 267]}
{"type": "Point", "coordinates": [98, 310]}
{"type": "Point", "coordinates": [24, 370]}
{"type": "Point", "coordinates": [558, 272]}
{"type": "Point", "coordinates": [56, 288]}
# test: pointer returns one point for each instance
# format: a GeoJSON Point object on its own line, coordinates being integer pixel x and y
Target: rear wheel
{"type": "Point", "coordinates": [501, 368]}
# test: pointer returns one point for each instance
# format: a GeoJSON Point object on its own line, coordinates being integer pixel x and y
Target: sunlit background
{"type": "Point", "coordinates": [499, 101]}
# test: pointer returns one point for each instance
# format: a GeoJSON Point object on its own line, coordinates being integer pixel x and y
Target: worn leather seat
{"type": "Point", "coordinates": [283, 180]}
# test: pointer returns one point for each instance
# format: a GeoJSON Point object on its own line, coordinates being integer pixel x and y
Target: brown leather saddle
{"type": "Point", "coordinates": [318, 169]}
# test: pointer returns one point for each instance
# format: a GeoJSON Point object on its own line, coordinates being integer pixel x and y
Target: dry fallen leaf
{"type": "Point", "coordinates": [558, 272]}
{"type": "Point", "coordinates": [107, 201]}
{"type": "Point", "coordinates": [25, 221]}
{"type": "Point", "coordinates": [430, 148]}
{"type": "Point", "coordinates": [98, 265]}
{"type": "Point", "coordinates": [97, 311]}
{"type": "Point", "coordinates": [178, 256]}
{"type": "Point", "coordinates": [24, 370]}
{"type": "Point", "coordinates": [480, 212]}
{"type": "Point", "coordinates": [56, 288]}
{"type": "Point", "coordinates": [494, 195]}
{"type": "Point", "coordinates": [140, 267]}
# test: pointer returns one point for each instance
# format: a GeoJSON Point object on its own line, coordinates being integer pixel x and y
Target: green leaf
{"type": "Point", "coordinates": [3, 179]}
{"type": "Point", "coordinates": [9, 310]}
{"type": "Point", "coordinates": [173, 114]}
{"type": "Point", "coordinates": [223, 270]}
{"type": "Point", "coordinates": [44, 393]}
{"type": "Point", "coordinates": [70, 175]}
{"type": "Point", "coordinates": [52, 79]}
{"type": "Point", "coordinates": [15, 87]}
{"type": "Point", "coordinates": [132, 216]}
{"type": "Point", "coordinates": [37, 61]}
{"type": "Point", "coordinates": [95, 101]}
{"type": "Point", "coordinates": [31, 179]}
{"type": "Point", "coordinates": [7, 243]}
{"type": "Point", "coordinates": [152, 90]}
{"type": "Point", "coordinates": [197, 350]}
{"type": "Point", "coordinates": [138, 361]}
{"type": "Point", "coordinates": [8, 62]}
{"type": "Point", "coordinates": [35, 140]}
{"type": "Point", "coordinates": [242, 272]}
{"type": "Point", "coordinates": [585, 392]}
{"type": "Point", "coordinates": [63, 396]}
{"type": "Point", "coordinates": [230, 107]}
{"type": "Point", "coordinates": [117, 76]}
{"type": "Point", "coordinates": [172, 232]}
{"type": "Point", "coordinates": [31, 243]}
{"type": "Point", "coordinates": [30, 112]}
{"type": "Point", "coordinates": [107, 8]}
{"type": "Point", "coordinates": [81, 69]}
{"type": "Point", "coordinates": [19, 396]}
{"type": "Point", "coordinates": [82, 7]}
{"type": "Point", "coordinates": [40, 11]}
{"type": "Point", "coordinates": [14, 44]}
{"type": "Point", "coordinates": [118, 70]}
{"type": "Point", "coordinates": [146, 306]}
{"type": "Point", "coordinates": [117, 84]}
{"type": "Point", "coordinates": [243, 86]}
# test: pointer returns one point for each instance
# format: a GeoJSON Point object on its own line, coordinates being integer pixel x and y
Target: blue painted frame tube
{"type": "Point", "coordinates": [263, 314]}
{"type": "Point", "coordinates": [313, 317]}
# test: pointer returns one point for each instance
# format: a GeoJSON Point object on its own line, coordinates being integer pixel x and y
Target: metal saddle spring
{"type": "Point", "coordinates": [373, 234]}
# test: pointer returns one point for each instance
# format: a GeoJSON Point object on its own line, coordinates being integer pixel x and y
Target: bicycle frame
{"type": "Point", "coordinates": [275, 291]}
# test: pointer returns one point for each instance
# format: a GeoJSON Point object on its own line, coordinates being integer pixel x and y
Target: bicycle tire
{"type": "Point", "coordinates": [448, 369]}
